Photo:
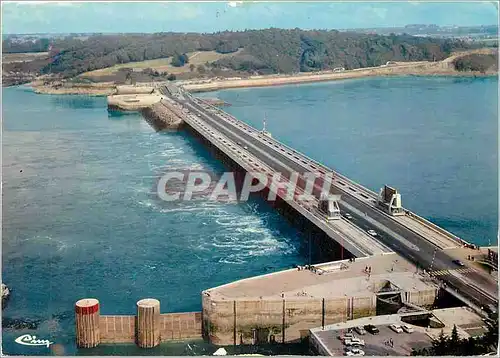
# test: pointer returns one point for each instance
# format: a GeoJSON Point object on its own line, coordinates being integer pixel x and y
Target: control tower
{"type": "Point", "coordinates": [329, 206]}
{"type": "Point", "coordinates": [390, 200]}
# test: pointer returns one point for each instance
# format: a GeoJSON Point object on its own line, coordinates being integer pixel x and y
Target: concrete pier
{"type": "Point", "coordinates": [147, 328]}
{"type": "Point", "coordinates": [87, 323]}
{"type": "Point", "coordinates": [148, 323]}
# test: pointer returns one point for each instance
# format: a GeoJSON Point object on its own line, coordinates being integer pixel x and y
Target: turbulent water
{"type": "Point", "coordinates": [81, 219]}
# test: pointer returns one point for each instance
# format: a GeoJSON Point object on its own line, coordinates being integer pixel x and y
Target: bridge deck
{"type": "Point", "coordinates": [345, 233]}
{"type": "Point", "coordinates": [440, 238]}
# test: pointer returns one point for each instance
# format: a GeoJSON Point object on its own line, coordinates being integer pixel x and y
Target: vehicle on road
{"type": "Point", "coordinates": [360, 330]}
{"type": "Point", "coordinates": [245, 147]}
{"type": "Point", "coordinates": [371, 328]}
{"type": "Point", "coordinates": [372, 232]}
{"type": "Point", "coordinates": [355, 352]}
{"type": "Point", "coordinates": [238, 143]}
{"type": "Point", "coordinates": [459, 263]}
{"type": "Point", "coordinates": [396, 328]}
{"type": "Point", "coordinates": [348, 216]}
{"type": "Point", "coordinates": [354, 342]}
{"type": "Point", "coordinates": [407, 328]}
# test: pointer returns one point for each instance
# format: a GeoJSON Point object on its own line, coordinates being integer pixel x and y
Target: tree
{"type": "Point", "coordinates": [171, 77]}
{"type": "Point", "coordinates": [440, 345]}
{"type": "Point", "coordinates": [454, 345]}
{"type": "Point", "coordinates": [454, 342]}
{"type": "Point", "coordinates": [201, 69]}
{"type": "Point", "coordinates": [267, 51]}
{"type": "Point", "coordinates": [128, 75]}
{"type": "Point", "coordinates": [179, 60]}
{"type": "Point", "coordinates": [192, 67]}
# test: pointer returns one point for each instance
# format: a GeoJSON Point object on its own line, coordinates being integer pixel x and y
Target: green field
{"type": "Point", "coordinates": [163, 64]}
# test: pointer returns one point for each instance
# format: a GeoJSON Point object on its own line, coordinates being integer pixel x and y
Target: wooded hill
{"type": "Point", "coordinates": [263, 51]}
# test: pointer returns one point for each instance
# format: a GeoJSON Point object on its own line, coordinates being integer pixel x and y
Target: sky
{"type": "Point", "coordinates": [84, 17]}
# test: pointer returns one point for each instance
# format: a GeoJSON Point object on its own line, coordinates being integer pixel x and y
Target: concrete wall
{"type": "Point", "coordinates": [248, 322]}
{"type": "Point", "coordinates": [317, 345]}
{"type": "Point", "coordinates": [173, 327]}
{"type": "Point", "coordinates": [131, 89]}
{"type": "Point", "coordinates": [423, 298]}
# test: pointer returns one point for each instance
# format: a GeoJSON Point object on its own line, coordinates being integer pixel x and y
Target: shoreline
{"type": "Point", "coordinates": [420, 69]}
{"type": "Point", "coordinates": [304, 79]}
{"type": "Point", "coordinates": [100, 91]}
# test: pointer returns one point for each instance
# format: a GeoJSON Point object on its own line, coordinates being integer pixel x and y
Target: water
{"type": "Point", "coordinates": [80, 218]}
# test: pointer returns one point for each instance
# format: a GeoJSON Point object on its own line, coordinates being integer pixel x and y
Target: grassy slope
{"type": "Point", "coordinates": [163, 64]}
{"type": "Point", "coordinates": [22, 57]}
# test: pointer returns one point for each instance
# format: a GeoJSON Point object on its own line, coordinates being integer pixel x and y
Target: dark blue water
{"type": "Point", "coordinates": [81, 219]}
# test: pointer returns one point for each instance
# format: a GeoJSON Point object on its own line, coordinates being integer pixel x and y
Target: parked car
{"type": "Point", "coordinates": [347, 336]}
{"type": "Point", "coordinates": [371, 328]}
{"type": "Point", "coordinates": [396, 328]}
{"type": "Point", "coordinates": [360, 330]}
{"type": "Point", "coordinates": [354, 342]}
{"type": "Point", "coordinates": [407, 328]}
{"type": "Point", "coordinates": [355, 352]}
{"type": "Point", "coordinates": [372, 232]}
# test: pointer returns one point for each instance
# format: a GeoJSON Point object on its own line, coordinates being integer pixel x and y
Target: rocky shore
{"type": "Point", "coordinates": [59, 87]}
{"type": "Point", "coordinates": [5, 295]}
{"type": "Point", "coordinates": [162, 116]}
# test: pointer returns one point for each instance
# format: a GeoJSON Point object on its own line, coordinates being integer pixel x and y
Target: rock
{"type": "Point", "coordinates": [5, 295]}
{"type": "Point", "coordinates": [163, 115]}
{"type": "Point", "coordinates": [19, 324]}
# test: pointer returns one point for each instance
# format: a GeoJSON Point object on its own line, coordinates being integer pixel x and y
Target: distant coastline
{"type": "Point", "coordinates": [421, 68]}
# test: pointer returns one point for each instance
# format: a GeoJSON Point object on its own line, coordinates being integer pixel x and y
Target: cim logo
{"type": "Point", "coordinates": [29, 340]}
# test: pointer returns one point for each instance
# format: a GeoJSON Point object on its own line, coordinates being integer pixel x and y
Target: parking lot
{"type": "Point", "coordinates": [375, 344]}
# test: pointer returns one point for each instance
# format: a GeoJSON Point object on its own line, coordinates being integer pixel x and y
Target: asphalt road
{"type": "Point", "coordinates": [396, 236]}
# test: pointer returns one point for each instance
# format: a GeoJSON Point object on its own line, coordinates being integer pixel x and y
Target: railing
{"type": "Point", "coordinates": [435, 227]}
{"type": "Point", "coordinates": [295, 152]}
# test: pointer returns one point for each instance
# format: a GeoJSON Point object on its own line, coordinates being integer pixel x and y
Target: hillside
{"type": "Point", "coordinates": [254, 51]}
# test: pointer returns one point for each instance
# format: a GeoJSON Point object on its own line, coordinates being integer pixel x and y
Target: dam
{"type": "Point", "coordinates": [409, 258]}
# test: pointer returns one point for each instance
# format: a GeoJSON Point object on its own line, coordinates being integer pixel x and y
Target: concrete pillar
{"type": "Point", "coordinates": [87, 323]}
{"type": "Point", "coordinates": [148, 323]}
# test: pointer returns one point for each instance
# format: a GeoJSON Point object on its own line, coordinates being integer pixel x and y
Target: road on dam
{"type": "Point", "coordinates": [477, 286]}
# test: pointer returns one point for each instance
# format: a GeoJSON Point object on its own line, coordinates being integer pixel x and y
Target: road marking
{"type": "Point", "coordinates": [380, 227]}
{"type": "Point", "coordinates": [447, 272]}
